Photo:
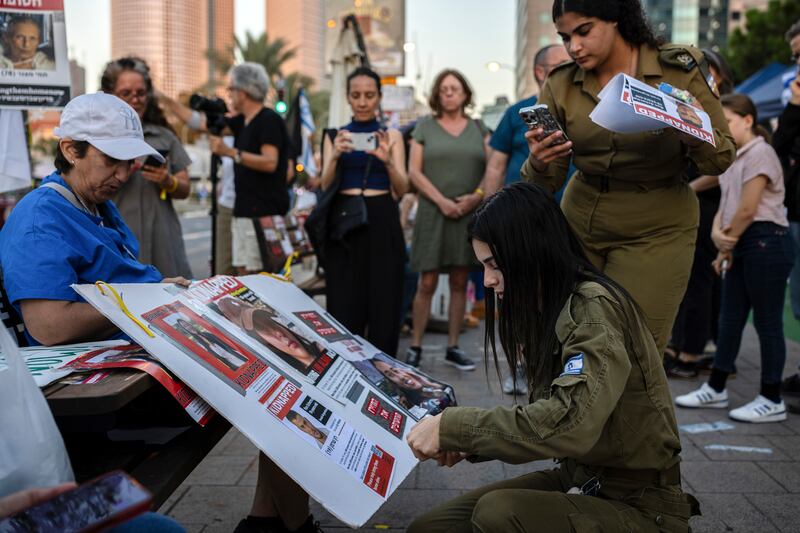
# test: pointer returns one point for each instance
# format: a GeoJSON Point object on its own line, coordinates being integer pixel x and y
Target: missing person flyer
{"type": "Point", "coordinates": [34, 67]}
{"type": "Point", "coordinates": [134, 356]}
{"type": "Point", "coordinates": [331, 435]}
{"type": "Point", "coordinates": [236, 308]}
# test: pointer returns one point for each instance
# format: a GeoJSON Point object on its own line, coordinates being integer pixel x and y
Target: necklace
{"type": "Point", "coordinates": [92, 211]}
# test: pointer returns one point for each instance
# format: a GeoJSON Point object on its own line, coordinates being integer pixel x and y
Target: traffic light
{"type": "Point", "coordinates": [280, 105]}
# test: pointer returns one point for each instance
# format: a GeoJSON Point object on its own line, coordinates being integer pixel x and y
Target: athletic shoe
{"type": "Point", "coordinates": [791, 385]}
{"type": "Point", "coordinates": [518, 386]}
{"type": "Point", "coordinates": [760, 410]}
{"type": "Point", "coordinates": [413, 355]}
{"type": "Point", "coordinates": [705, 396]}
{"type": "Point", "coordinates": [681, 369]}
{"type": "Point", "coordinates": [458, 358]}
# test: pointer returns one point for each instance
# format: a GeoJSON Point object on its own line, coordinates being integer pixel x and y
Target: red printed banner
{"type": "Point", "coordinates": [32, 5]}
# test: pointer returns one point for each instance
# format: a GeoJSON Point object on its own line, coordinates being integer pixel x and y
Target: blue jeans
{"type": "Point", "coordinates": [762, 260]}
{"type": "Point", "coordinates": [794, 278]}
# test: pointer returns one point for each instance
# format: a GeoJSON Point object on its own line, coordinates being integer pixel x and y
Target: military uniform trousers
{"type": "Point", "coordinates": [642, 239]}
{"type": "Point", "coordinates": [538, 503]}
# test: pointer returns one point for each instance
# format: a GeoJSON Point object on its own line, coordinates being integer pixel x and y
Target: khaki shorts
{"type": "Point", "coordinates": [245, 245]}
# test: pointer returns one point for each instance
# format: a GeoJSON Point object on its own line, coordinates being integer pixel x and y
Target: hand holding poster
{"type": "Point", "coordinates": [34, 68]}
{"type": "Point", "coordinates": [629, 106]}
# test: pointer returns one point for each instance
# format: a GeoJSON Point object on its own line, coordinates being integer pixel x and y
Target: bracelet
{"type": "Point", "coordinates": [174, 186]}
{"type": "Point", "coordinates": [479, 192]}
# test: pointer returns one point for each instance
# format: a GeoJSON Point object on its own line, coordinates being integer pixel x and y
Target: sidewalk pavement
{"type": "Point", "coordinates": [752, 487]}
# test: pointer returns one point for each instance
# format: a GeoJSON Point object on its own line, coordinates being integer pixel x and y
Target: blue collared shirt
{"type": "Point", "coordinates": [48, 244]}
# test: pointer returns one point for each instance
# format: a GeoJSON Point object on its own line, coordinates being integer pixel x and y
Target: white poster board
{"type": "Point", "coordinates": [34, 66]}
{"type": "Point", "coordinates": [265, 357]}
{"type": "Point", "coordinates": [629, 106]}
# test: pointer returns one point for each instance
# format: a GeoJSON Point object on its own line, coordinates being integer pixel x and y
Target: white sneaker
{"type": "Point", "coordinates": [760, 410]}
{"type": "Point", "coordinates": [521, 386]}
{"type": "Point", "coordinates": [705, 396]}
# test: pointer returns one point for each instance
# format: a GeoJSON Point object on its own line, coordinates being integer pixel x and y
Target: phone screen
{"type": "Point", "coordinates": [89, 507]}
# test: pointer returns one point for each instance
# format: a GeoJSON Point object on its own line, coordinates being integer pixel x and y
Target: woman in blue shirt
{"type": "Point", "coordinates": [364, 271]}
{"type": "Point", "coordinates": [68, 231]}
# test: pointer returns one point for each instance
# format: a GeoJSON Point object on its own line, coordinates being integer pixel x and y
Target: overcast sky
{"type": "Point", "coordinates": [462, 34]}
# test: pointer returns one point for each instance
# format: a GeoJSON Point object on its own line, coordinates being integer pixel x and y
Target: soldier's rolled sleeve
{"type": "Point", "coordinates": [567, 424]}
{"type": "Point", "coordinates": [552, 178]}
{"type": "Point", "coordinates": [712, 160]}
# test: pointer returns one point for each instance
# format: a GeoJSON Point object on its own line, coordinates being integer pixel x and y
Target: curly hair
{"type": "Point", "coordinates": [152, 113]}
{"type": "Point", "coordinates": [628, 14]}
{"type": "Point", "coordinates": [434, 101]}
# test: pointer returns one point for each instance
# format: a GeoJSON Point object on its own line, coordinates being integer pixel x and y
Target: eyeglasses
{"type": "Point", "coordinates": [130, 95]}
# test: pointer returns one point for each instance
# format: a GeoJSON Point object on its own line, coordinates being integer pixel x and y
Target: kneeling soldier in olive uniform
{"type": "Point", "coordinates": [599, 402]}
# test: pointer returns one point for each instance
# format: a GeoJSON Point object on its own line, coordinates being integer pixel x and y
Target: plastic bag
{"type": "Point", "coordinates": [32, 452]}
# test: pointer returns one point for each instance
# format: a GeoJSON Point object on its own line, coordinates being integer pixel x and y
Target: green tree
{"type": "Point", "coordinates": [763, 39]}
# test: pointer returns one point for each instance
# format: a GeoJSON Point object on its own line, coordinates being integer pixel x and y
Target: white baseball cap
{"type": "Point", "coordinates": [108, 124]}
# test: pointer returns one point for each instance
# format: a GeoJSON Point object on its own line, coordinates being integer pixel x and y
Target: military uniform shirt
{"type": "Point", "coordinates": [610, 406]}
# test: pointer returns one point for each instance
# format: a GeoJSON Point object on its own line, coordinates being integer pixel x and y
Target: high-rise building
{"type": "Point", "coordinates": [701, 23]}
{"type": "Point", "coordinates": [737, 10]}
{"type": "Point", "coordinates": [535, 29]}
{"type": "Point", "coordinates": [301, 23]}
{"type": "Point", "coordinates": [173, 37]}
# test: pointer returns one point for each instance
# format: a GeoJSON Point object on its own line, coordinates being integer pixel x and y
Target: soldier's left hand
{"type": "Point", "coordinates": [424, 438]}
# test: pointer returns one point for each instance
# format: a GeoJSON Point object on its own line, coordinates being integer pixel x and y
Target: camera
{"type": "Point", "coordinates": [214, 109]}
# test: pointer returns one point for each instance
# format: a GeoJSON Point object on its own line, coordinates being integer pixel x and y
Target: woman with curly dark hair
{"type": "Point", "coordinates": [145, 201]}
{"type": "Point", "coordinates": [629, 204]}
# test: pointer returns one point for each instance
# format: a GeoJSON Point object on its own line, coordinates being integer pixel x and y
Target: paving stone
{"type": "Point", "coordinates": [194, 528]}
{"type": "Point", "coordinates": [787, 474]}
{"type": "Point", "coordinates": [463, 476]}
{"type": "Point", "coordinates": [513, 471]}
{"type": "Point", "coordinates": [240, 445]}
{"type": "Point", "coordinates": [220, 470]}
{"type": "Point", "coordinates": [790, 445]}
{"type": "Point", "coordinates": [728, 476]}
{"type": "Point", "coordinates": [729, 512]}
{"type": "Point", "coordinates": [250, 476]}
{"type": "Point", "coordinates": [689, 451]}
{"type": "Point", "coordinates": [174, 498]}
{"type": "Point", "coordinates": [214, 505]}
{"type": "Point", "coordinates": [780, 508]}
{"type": "Point", "coordinates": [725, 438]}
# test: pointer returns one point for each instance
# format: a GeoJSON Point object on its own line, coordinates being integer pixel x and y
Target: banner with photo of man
{"type": "Point", "coordinates": [34, 66]}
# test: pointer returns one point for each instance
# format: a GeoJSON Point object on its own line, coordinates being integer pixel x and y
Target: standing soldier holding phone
{"type": "Point", "coordinates": [629, 204]}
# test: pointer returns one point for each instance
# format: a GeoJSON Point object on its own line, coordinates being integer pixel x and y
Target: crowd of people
{"type": "Point", "coordinates": [613, 266]}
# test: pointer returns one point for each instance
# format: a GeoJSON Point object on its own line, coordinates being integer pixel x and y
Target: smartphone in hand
{"type": "Point", "coordinates": [94, 506]}
{"type": "Point", "coordinates": [364, 142]}
{"type": "Point", "coordinates": [539, 116]}
{"type": "Point", "coordinates": [153, 162]}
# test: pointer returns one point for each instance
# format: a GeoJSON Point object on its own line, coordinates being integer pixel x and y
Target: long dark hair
{"type": "Point", "coordinates": [542, 261]}
{"type": "Point", "coordinates": [152, 113]}
{"type": "Point", "coordinates": [628, 14]}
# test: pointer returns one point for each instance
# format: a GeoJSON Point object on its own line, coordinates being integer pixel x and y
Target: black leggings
{"type": "Point", "coordinates": [364, 276]}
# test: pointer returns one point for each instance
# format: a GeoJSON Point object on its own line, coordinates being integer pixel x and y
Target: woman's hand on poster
{"type": "Point", "coordinates": [722, 239]}
{"type": "Point", "coordinates": [384, 149]}
{"type": "Point", "coordinates": [179, 280]}
{"type": "Point", "coordinates": [723, 262]}
{"type": "Point", "coordinates": [424, 438]}
{"type": "Point", "coordinates": [342, 144]}
{"type": "Point", "coordinates": [450, 209]}
{"type": "Point", "coordinates": [544, 151]}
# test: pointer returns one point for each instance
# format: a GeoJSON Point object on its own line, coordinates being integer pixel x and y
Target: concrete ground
{"type": "Point", "coordinates": [751, 488]}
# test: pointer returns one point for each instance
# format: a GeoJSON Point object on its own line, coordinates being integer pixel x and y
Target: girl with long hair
{"type": "Point", "coordinates": [751, 232]}
{"type": "Point", "coordinates": [599, 397]}
{"type": "Point", "coordinates": [629, 203]}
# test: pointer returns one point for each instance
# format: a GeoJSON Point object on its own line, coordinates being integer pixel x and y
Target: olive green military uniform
{"type": "Point", "coordinates": [629, 205]}
{"type": "Point", "coordinates": [609, 416]}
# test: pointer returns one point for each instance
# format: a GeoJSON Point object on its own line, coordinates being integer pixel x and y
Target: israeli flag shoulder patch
{"type": "Point", "coordinates": [574, 366]}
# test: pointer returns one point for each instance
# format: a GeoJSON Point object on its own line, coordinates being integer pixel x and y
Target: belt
{"type": "Point", "coordinates": [664, 478]}
{"type": "Point", "coordinates": [608, 184]}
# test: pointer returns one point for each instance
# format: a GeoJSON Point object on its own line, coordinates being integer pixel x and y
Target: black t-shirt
{"type": "Point", "coordinates": [260, 194]}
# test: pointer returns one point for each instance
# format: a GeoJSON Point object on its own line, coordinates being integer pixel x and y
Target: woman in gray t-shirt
{"type": "Point", "coordinates": [145, 202]}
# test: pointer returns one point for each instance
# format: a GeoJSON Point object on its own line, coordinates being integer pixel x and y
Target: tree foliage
{"type": "Point", "coordinates": [762, 41]}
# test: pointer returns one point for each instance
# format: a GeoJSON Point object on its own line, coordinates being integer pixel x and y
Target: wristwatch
{"type": "Point", "coordinates": [237, 158]}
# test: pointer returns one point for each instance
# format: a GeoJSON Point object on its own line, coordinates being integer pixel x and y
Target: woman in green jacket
{"type": "Point", "coordinates": [599, 397]}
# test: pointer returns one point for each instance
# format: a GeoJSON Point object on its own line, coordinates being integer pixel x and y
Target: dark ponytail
{"type": "Point", "coordinates": [628, 14]}
{"type": "Point", "coordinates": [743, 106]}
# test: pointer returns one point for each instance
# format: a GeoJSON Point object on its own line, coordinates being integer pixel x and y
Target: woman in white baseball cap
{"type": "Point", "coordinates": [68, 230]}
